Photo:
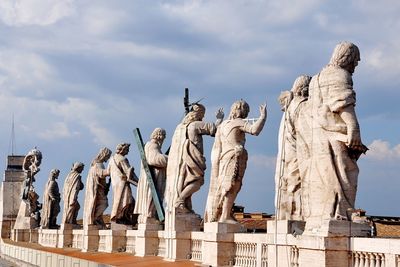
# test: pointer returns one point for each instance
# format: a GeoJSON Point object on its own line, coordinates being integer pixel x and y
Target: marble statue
{"type": "Point", "coordinates": [51, 202]}
{"type": "Point", "coordinates": [122, 175]}
{"type": "Point", "coordinates": [97, 188]}
{"type": "Point", "coordinates": [186, 163]}
{"type": "Point", "coordinates": [157, 161]}
{"type": "Point", "coordinates": [331, 183]}
{"type": "Point", "coordinates": [31, 165]}
{"type": "Point", "coordinates": [229, 161]}
{"type": "Point", "coordinates": [72, 185]}
{"type": "Point", "coordinates": [287, 174]}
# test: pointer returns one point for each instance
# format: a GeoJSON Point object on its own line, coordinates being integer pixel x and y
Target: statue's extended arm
{"type": "Point", "coordinates": [256, 128]}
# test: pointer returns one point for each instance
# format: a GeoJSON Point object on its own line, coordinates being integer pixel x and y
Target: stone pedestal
{"type": "Point", "coordinates": [335, 228]}
{"type": "Point", "coordinates": [90, 238]}
{"type": "Point", "coordinates": [147, 239]}
{"type": "Point", "coordinates": [112, 240]}
{"type": "Point", "coordinates": [218, 243]}
{"type": "Point", "coordinates": [326, 245]}
{"type": "Point", "coordinates": [24, 220]}
{"type": "Point", "coordinates": [65, 235]}
{"type": "Point", "coordinates": [177, 234]}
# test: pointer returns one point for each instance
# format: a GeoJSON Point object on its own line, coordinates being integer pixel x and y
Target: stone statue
{"type": "Point", "coordinates": [97, 189]}
{"type": "Point", "coordinates": [73, 184]}
{"type": "Point", "coordinates": [51, 202]}
{"type": "Point", "coordinates": [336, 141]}
{"type": "Point", "coordinates": [186, 163]}
{"type": "Point", "coordinates": [122, 175]}
{"type": "Point", "coordinates": [157, 161]}
{"type": "Point", "coordinates": [31, 165]}
{"type": "Point", "coordinates": [287, 175]}
{"type": "Point", "coordinates": [229, 161]}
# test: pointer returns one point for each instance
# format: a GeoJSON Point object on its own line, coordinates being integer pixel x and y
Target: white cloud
{"type": "Point", "coordinates": [381, 150]}
{"type": "Point", "coordinates": [263, 161]}
{"type": "Point", "coordinates": [58, 130]}
{"type": "Point", "coordinates": [20, 69]}
{"type": "Point", "coordinates": [35, 12]}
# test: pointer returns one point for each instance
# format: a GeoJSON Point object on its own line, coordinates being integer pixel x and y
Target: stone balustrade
{"type": "Point", "coordinates": [254, 249]}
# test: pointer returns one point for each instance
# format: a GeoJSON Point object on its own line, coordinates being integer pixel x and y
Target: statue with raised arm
{"type": "Point", "coordinates": [97, 188]}
{"type": "Point", "coordinates": [157, 161]}
{"type": "Point", "coordinates": [336, 140]}
{"type": "Point", "coordinates": [72, 185]}
{"type": "Point", "coordinates": [186, 162]}
{"type": "Point", "coordinates": [291, 141]}
{"type": "Point", "coordinates": [122, 175]}
{"type": "Point", "coordinates": [229, 161]}
{"type": "Point", "coordinates": [31, 165]}
{"type": "Point", "coordinates": [51, 202]}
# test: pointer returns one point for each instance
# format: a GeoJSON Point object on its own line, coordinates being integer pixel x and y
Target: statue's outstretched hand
{"type": "Point", "coordinates": [263, 110]}
{"type": "Point", "coordinates": [220, 114]}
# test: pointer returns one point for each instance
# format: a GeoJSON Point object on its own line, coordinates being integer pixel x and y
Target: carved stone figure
{"type": "Point", "coordinates": [122, 175]}
{"type": "Point", "coordinates": [292, 127]}
{"type": "Point", "coordinates": [186, 163]}
{"type": "Point", "coordinates": [229, 161]}
{"type": "Point", "coordinates": [51, 202]}
{"type": "Point", "coordinates": [97, 188]}
{"type": "Point", "coordinates": [73, 184]}
{"type": "Point", "coordinates": [157, 161]}
{"type": "Point", "coordinates": [336, 142]}
{"type": "Point", "coordinates": [31, 165]}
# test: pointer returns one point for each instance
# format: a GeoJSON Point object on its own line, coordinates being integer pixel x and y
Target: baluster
{"type": "Point", "coordinates": [356, 259]}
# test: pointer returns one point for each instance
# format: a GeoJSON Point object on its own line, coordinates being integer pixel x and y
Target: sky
{"type": "Point", "coordinates": [80, 75]}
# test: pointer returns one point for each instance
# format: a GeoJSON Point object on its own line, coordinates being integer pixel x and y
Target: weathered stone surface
{"type": "Point", "coordinates": [229, 161]}
{"type": "Point", "coordinates": [122, 175]}
{"type": "Point", "coordinates": [157, 161]}
{"type": "Point", "coordinates": [97, 188]}
{"type": "Point", "coordinates": [51, 202]}
{"type": "Point", "coordinates": [73, 184]}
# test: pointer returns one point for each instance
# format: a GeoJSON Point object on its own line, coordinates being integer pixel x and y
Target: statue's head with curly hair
{"type": "Point", "coordinates": [196, 113]}
{"type": "Point", "coordinates": [346, 56]}
{"type": "Point", "coordinates": [240, 109]}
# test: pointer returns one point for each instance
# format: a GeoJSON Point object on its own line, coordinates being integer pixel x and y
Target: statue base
{"type": "Point", "coordinates": [112, 241]}
{"type": "Point", "coordinates": [335, 228]}
{"type": "Point", "coordinates": [285, 227]}
{"type": "Point", "coordinates": [90, 238]}
{"type": "Point", "coordinates": [24, 220]}
{"type": "Point", "coordinates": [65, 234]}
{"type": "Point", "coordinates": [218, 243]}
{"type": "Point", "coordinates": [187, 222]}
{"type": "Point", "coordinates": [147, 238]}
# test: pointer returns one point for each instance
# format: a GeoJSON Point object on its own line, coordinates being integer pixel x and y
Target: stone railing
{"type": "Point", "coordinates": [375, 252]}
{"type": "Point", "coordinates": [255, 249]}
{"type": "Point", "coordinates": [196, 246]}
{"type": "Point", "coordinates": [48, 237]}
{"type": "Point", "coordinates": [77, 239]}
{"type": "Point", "coordinates": [251, 250]}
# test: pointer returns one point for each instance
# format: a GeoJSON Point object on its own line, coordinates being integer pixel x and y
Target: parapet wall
{"type": "Point", "coordinates": [250, 249]}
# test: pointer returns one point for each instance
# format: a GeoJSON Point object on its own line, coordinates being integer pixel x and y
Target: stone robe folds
{"type": "Point", "coordinates": [229, 162]}
{"type": "Point", "coordinates": [123, 201]}
{"type": "Point", "coordinates": [333, 175]}
{"type": "Point", "coordinates": [294, 132]}
{"type": "Point", "coordinates": [51, 204]}
{"type": "Point", "coordinates": [144, 199]}
{"type": "Point", "coordinates": [96, 200]}
{"type": "Point", "coordinates": [186, 163]}
{"type": "Point", "coordinates": [73, 184]}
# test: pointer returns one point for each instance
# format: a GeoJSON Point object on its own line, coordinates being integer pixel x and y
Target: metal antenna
{"type": "Point", "coordinates": [12, 144]}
